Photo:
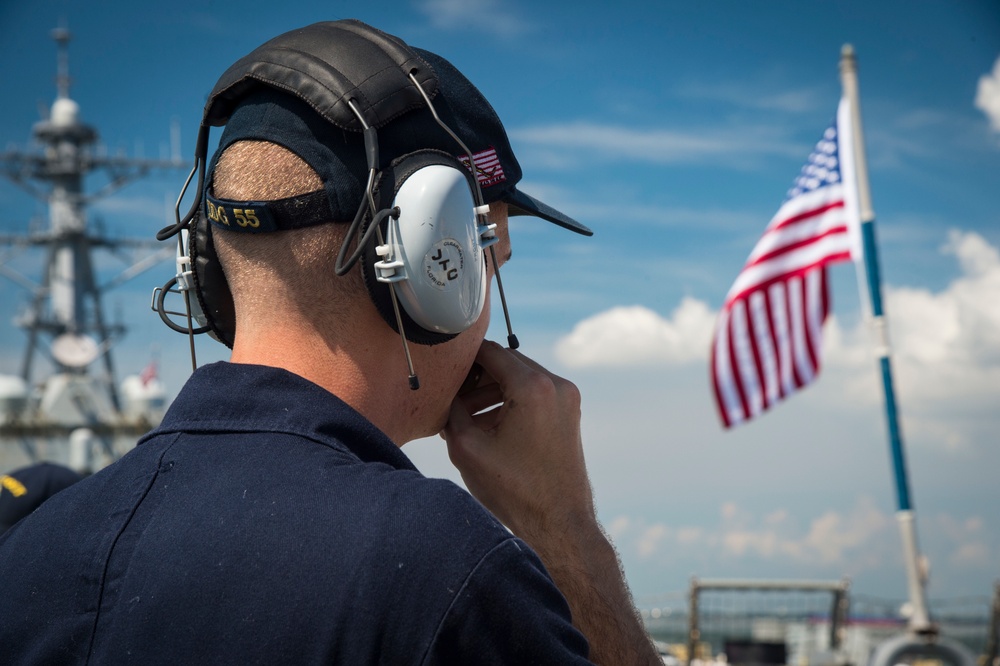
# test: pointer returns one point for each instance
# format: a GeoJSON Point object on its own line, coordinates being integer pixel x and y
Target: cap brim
{"type": "Point", "coordinates": [519, 203]}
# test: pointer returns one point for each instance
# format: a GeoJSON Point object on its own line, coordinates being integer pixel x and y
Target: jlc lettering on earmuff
{"type": "Point", "coordinates": [332, 93]}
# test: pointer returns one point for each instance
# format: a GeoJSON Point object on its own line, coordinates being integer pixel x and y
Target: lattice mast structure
{"type": "Point", "coordinates": [65, 319]}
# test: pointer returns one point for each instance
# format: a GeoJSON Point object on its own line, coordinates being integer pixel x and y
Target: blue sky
{"type": "Point", "coordinates": [673, 130]}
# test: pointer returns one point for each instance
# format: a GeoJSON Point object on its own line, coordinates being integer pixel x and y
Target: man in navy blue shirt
{"type": "Point", "coordinates": [272, 517]}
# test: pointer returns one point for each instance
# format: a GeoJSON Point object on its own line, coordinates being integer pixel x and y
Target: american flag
{"type": "Point", "coordinates": [148, 373]}
{"type": "Point", "coordinates": [489, 171]}
{"type": "Point", "coordinates": [769, 334]}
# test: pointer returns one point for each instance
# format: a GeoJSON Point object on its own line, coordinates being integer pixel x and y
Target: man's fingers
{"type": "Point", "coordinates": [506, 368]}
{"type": "Point", "coordinates": [481, 398]}
{"type": "Point", "coordinates": [473, 380]}
{"type": "Point", "coordinates": [508, 378]}
{"type": "Point", "coordinates": [459, 419]}
{"type": "Point", "coordinates": [472, 410]}
{"type": "Point", "coordinates": [535, 365]}
{"type": "Point", "coordinates": [509, 366]}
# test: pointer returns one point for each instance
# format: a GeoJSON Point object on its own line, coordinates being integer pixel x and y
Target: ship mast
{"type": "Point", "coordinates": [65, 320]}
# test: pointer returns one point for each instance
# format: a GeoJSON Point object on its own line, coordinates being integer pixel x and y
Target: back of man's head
{"type": "Point", "coordinates": [270, 274]}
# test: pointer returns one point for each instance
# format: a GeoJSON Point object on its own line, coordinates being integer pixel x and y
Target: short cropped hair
{"type": "Point", "coordinates": [281, 268]}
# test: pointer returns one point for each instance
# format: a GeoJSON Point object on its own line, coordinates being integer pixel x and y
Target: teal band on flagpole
{"type": "Point", "coordinates": [871, 266]}
{"type": "Point", "coordinates": [896, 444]}
{"type": "Point", "coordinates": [892, 418]}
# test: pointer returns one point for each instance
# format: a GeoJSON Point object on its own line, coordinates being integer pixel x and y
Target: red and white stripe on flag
{"type": "Point", "coordinates": [769, 335]}
{"type": "Point", "coordinates": [148, 373]}
{"type": "Point", "coordinates": [489, 171]}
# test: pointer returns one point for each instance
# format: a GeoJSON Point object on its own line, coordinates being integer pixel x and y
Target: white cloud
{"type": "Point", "coordinates": [834, 536]}
{"type": "Point", "coordinates": [690, 535]}
{"type": "Point", "coordinates": [861, 541]}
{"type": "Point", "coordinates": [960, 324]}
{"type": "Point", "coordinates": [650, 539]}
{"type": "Point", "coordinates": [618, 526]}
{"type": "Point", "coordinates": [967, 539]}
{"type": "Point", "coordinates": [848, 541]}
{"type": "Point", "coordinates": [988, 95]}
{"type": "Point", "coordinates": [632, 335]}
{"type": "Point", "coordinates": [489, 16]}
{"type": "Point", "coordinates": [970, 554]}
{"type": "Point", "coordinates": [650, 145]}
{"type": "Point", "coordinates": [750, 95]}
{"type": "Point", "coordinates": [947, 349]}
{"type": "Point", "coordinates": [946, 344]}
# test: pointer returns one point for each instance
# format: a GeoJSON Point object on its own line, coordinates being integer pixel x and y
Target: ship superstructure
{"type": "Point", "coordinates": [66, 405]}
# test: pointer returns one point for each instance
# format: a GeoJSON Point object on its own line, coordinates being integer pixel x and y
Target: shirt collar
{"type": "Point", "coordinates": [239, 397]}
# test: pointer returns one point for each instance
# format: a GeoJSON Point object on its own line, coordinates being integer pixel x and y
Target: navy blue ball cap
{"type": "Point", "coordinates": [292, 91]}
{"type": "Point", "coordinates": [519, 203]}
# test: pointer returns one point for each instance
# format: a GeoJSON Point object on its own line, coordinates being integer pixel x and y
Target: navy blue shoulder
{"type": "Point", "coordinates": [236, 397]}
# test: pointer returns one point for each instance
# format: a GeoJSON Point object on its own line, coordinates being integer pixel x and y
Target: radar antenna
{"type": "Point", "coordinates": [65, 321]}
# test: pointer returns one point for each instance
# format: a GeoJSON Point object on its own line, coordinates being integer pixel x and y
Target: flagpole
{"type": "Point", "coordinates": [919, 620]}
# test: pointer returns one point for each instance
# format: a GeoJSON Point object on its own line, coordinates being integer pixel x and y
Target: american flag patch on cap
{"type": "Point", "coordinates": [488, 169]}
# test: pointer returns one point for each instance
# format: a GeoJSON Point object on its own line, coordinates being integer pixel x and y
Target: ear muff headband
{"type": "Point", "coordinates": [327, 64]}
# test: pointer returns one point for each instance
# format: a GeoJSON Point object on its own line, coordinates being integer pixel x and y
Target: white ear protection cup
{"type": "Point", "coordinates": [433, 252]}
